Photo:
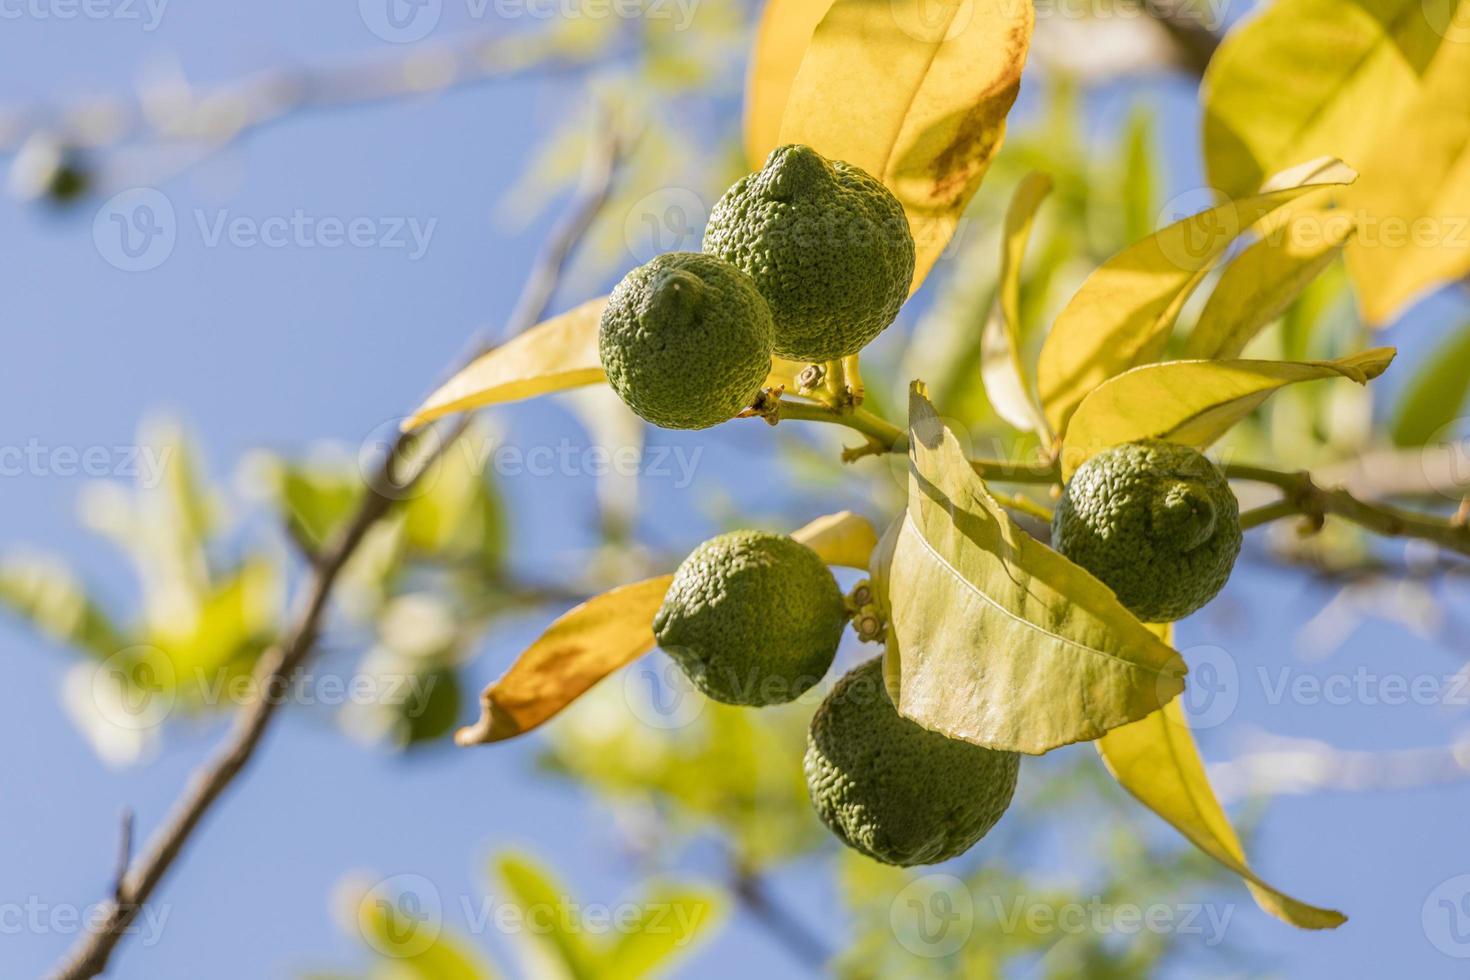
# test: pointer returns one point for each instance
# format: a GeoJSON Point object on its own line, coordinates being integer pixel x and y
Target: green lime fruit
{"type": "Point", "coordinates": [893, 789]}
{"type": "Point", "coordinates": [686, 340]}
{"type": "Point", "coordinates": [827, 245]}
{"type": "Point", "coordinates": [753, 618]}
{"type": "Point", "coordinates": [1155, 522]}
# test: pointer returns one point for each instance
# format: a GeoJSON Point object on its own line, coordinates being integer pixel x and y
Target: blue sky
{"type": "Point", "coordinates": [281, 348]}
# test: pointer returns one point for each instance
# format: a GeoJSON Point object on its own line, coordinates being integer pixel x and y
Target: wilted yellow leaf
{"type": "Point", "coordinates": [1415, 191]}
{"type": "Point", "coordinates": [915, 93]}
{"type": "Point", "coordinates": [611, 630]}
{"type": "Point", "coordinates": [993, 637]}
{"type": "Point", "coordinates": [1310, 78]}
{"type": "Point", "coordinates": [1124, 312]}
{"type": "Point", "coordinates": [1194, 402]}
{"type": "Point", "coordinates": [1264, 280]}
{"type": "Point", "coordinates": [1157, 761]}
{"type": "Point", "coordinates": [552, 356]}
{"type": "Point", "coordinates": [1005, 377]}
{"type": "Point", "coordinates": [576, 651]}
{"type": "Point", "coordinates": [781, 38]}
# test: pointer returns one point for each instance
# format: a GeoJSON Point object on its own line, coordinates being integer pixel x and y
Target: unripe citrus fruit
{"type": "Point", "coordinates": [686, 340]}
{"type": "Point", "coordinates": [893, 789]}
{"type": "Point", "coordinates": [1156, 522]}
{"type": "Point", "coordinates": [828, 246]}
{"type": "Point", "coordinates": [753, 618]}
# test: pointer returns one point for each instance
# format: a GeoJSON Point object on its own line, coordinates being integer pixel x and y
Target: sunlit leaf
{"type": "Point", "coordinates": [1310, 78]}
{"type": "Point", "coordinates": [610, 631]}
{"type": "Point", "coordinates": [1262, 282]}
{"type": "Point", "coordinates": [552, 356]}
{"type": "Point", "coordinates": [1123, 314]}
{"type": "Point", "coordinates": [579, 649]}
{"type": "Point", "coordinates": [1416, 190]}
{"type": "Point", "coordinates": [993, 637]}
{"type": "Point", "coordinates": [46, 594]}
{"type": "Point", "coordinates": [1157, 761]}
{"type": "Point", "coordinates": [841, 539]}
{"type": "Point", "coordinates": [1001, 367]}
{"type": "Point", "coordinates": [402, 939]}
{"type": "Point", "coordinates": [553, 919]}
{"type": "Point", "coordinates": [1436, 395]}
{"type": "Point", "coordinates": [1194, 402]}
{"type": "Point", "coordinates": [781, 38]}
{"type": "Point", "coordinates": [916, 94]}
{"type": "Point", "coordinates": [670, 920]}
{"type": "Point", "coordinates": [1140, 178]}
{"type": "Point", "coordinates": [556, 355]}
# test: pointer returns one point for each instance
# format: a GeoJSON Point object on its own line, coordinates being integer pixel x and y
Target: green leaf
{"type": "Point", "coordinates": [1140, 179]}
{"type": "Point", "coordinates": [47, 595]}
{"type": "Point", "coordinates": [1194, 402]}
{"type": "Point", "coordinates": [1309, 78]}
{"type": "Point", "coordinates": [915, 95]}
{"type": "Point", "coordinates": [1123, 314]}
{"type": "Point", "coordinates": [993, 637]}
{"type": "Point", "coordinates": [669, 922]}
{"type": "Point", "coordinates": [401, 945]}
{"type": "Point", "coordinates": [551, 918]}
{"type": "Point", "coordinates": [1156, 760]}
{"type": "Point", "coordinates": [1001, 368]}
{"type": "Point", "coordinates": [1259, 285]}
{"type": "Point", "coordinates": [1437, 394]}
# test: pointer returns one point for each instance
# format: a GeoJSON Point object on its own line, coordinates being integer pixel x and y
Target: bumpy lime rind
{"type": "Point", "coordinates": [1156, 522]}
{"type": "Point", "coordinates": [752, 618]}
{"type": "Point", "coordinates": [894, 790]}
{"type": "Point", "coordinates": [685, 340]}
{"type": "Point", "coordinates": [828, 246]}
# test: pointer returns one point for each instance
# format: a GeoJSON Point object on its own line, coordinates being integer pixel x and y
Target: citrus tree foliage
{"type": "Point", "coordinates": [1060, 660]}
{"type": "Point", "coordinates": [1061, 318]}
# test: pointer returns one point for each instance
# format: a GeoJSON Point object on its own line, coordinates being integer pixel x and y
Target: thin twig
{"type": "Point", "coordinates": [124, 854]}
{"type": "Point", "coordinates": [391, 483]}
{"type": "Point", "coordinates": [808, 948]}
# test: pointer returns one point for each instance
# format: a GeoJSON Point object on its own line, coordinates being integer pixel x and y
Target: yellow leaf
{"type": "Point", "coordinates": [1194, 402]}
{"type": "Point", "coordinates": [781, 38]}
{"type": "Point", "coordinates": [611, 630]}
{"type": "Point", "coordinates": [576, 651]}
{"type": "Point", "coordinates": [1309, 78]}
{"type": "Point", "coordinates": [993, 637]}
{"type": "Point", "coordinates": [1123, 314]}
{"type": "Point", "coordinates": [552, 356]}
{"type": "Point", "coordinates": [1157, 761]}
{"type": "Point", "coordinates": [1001, 368]}
{"type": "Point", "coordinates": [1415, 192]}
{"type": "Point", "coordinates": [916, 93]}
{"type": "Point", "coordinates": [1263, 281]}
{"type": "Point", "coordinates": [845, 538]}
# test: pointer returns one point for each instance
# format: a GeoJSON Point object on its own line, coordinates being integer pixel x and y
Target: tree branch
{"type": "Point", "coordinates": [1302, 496]}
{"type": "Point", "coordinates": [91, 954]}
